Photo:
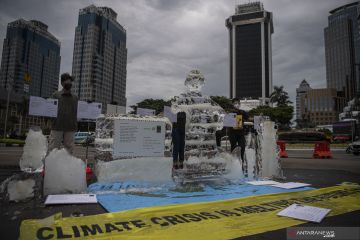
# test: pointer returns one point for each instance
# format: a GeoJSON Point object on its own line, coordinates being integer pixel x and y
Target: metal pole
{"type": "Point", "coordinates": [7, 108]}
{"type": "Point", "coordinates": [87, 142]}
{"type": "Point", "coordinates": [352, 131]}
{"type": "Point", "coordinates": [226, 133]}
{"type": "Point", "coordinates": [357, 84]}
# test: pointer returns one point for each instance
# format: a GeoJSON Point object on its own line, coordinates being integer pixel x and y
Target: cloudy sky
{"type": "Point", "coordinates": [168, 38]}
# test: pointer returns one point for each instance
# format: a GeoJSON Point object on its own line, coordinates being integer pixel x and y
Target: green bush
{"type": "Point", "coordinates": [9, 141]}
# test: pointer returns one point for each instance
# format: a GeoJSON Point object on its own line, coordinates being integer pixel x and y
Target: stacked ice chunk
{"type": "Point", "coordinates": [34, 151]}
{"type": "Point", "coordinates": [64, 173]}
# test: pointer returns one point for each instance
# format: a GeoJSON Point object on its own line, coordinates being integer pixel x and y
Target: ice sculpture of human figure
{"type": "Point", "coordinates": [65, 125]}
{"type": "Point", "coordinates": [178, 139]}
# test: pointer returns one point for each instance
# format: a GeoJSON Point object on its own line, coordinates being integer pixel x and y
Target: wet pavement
{"type": "Point", "coordinates": [319, 172]}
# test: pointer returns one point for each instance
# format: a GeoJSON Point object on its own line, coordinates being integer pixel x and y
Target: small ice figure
{"type": "Point", "coordinates": [194, 81]}
{"type": "Point", "coordinates": [64, 173]}
{"type": "Point", "coordinates": [34, 152]}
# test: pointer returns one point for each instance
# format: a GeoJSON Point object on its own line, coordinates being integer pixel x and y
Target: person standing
{"type": "Point", "coordinates": [237, 133]}
{"type": "Point", "coordinates": [65, 125]}
{"type": "Point", "coordinates": [178, 138]}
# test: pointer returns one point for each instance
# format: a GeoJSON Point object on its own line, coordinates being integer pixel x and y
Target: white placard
{"type": "Point", "coordinates": [257, 121]}
{"type": "Point", "coordinates": [88, 110]}
{"type": "Point", "coordinates": [291, 185]}
{"type": "Point", "coordinates": [262, 182]}
{"type": "Point", "coordinates": [136, 138]}
{"type": "Point", "coordinates": [169, 114]}
{"type": "Point", "coordinates": [230, 120]}
{"type": "Point", "coordinates": [39, 106]}
{"type": "Point", "coordinates": [307, 213]}
{"type": "Point", "coordinates": [145, 112]}
{"type": "Point", "coordinates": [70, 199]}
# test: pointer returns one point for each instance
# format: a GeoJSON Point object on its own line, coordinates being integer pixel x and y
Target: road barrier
{"type": "Point", "coordinates": [89, 173]}
{"type": "Point", "coordinates": [282, 146]}
{"type": "Point", "coordinates": [322, 150]}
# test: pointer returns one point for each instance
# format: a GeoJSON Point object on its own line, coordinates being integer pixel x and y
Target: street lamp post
{"type": "Point", "coordinates": [357, 84]}
{"type": "Point", "coordinates": [7, 105]}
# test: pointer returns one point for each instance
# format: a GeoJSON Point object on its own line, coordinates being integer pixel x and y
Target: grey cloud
{"type": "Point", "coordinates": [168, 38]}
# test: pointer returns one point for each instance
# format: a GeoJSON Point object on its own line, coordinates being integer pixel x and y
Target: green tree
{"type": "Point", "coordinates": [224, 102]}
{"type": "Point", "coordinates": [262, 110]}
{"type": "Point", "coordinates": [155, 104]}
{"type": "Point", "coordinates": [279, 96]}
{"type": "Point", "coordinates": [281, 115]}
{"type": "Point", "coordinates": [327, 133]}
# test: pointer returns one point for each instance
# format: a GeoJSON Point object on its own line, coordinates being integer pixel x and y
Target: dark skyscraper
{"type": "Point", "coordinates": [30, 59]}
{"type": "Point", "coordinates": [342, 49]}
{"type": "Point", "coordinates": [100, 53]}
{"type": "Point", "coordinates": [250, 32]}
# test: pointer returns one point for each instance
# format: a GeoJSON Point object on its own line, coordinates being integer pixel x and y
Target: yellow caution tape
{"type": "Point", "coordinates": [209, 220]}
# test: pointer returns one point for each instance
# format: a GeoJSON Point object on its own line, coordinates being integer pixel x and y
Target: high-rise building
{"type": "Point", "coordinates": [300, 91]}
{"type": "Point", "coordinates": [100, 53]}
{"type": "Point", "coordinates": [30, 61]}
{"type": "Point", "coordinates": [250, 54]}
{"type": "Point", "coordinates": [321, 106]}
{"type": "Point", "coordinates": [342, 49]}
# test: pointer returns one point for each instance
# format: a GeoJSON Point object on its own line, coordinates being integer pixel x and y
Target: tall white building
{"type": "Point", "coordinates": [100, 55]}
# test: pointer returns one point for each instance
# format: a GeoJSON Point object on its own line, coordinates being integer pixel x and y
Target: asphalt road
{"type": "Point", "coordinates": [302, 159]}
{"type": "Point", "coordinates": [10, 156]}
{"type": "Point", "coordinates": [300, 166]}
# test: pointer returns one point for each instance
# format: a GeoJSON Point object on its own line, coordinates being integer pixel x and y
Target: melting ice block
{"type": "Point", "coordinates": [20, 190]}
{"type": "Point", "coordinates": [21, 186]}
{"type": "Point", "coordinates": [269, 154]}
{"type": "Point", "coordinates": [34, 151]}
{"type": "Point", "coordinates": [142, 169]}
{"type": "Point", "coordinates": [64, 173]}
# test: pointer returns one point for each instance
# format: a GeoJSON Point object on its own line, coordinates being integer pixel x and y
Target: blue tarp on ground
{"type": "Point", "coordinates": [116, 197]}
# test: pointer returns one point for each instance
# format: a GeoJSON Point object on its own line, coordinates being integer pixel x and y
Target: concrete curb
{"type": "Point", "coordinates": [311, 149]}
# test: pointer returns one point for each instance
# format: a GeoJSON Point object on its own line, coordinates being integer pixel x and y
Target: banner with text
{"type": "Point", "coordinates": [39, 106]}
{"type": "Point", "coordinates": [138, 138]}
{"type": "Point", "coordinates": [88, 110]}
{"type": "Point", "coordinates": [224, 219]}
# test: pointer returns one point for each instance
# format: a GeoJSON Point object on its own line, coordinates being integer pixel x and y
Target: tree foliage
{"type": "Point", "coordinates": [281, 115]}
{"type": "Point", "coordinates": [224, 102]}
{"type": "Point", "coordinates": [155, 104]}
{"type": "Point", "coordinates": [280, 97]}
{"type": "Point", "coordinates": [327, 132]}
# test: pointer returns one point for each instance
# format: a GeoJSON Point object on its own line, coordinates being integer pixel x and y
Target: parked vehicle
{"type": "Point", "coordinates": [81, 137]}
{"type": "Point", "coordinates": [90, 140]}
{"type": "Point", "coordinates": [300, 137]}
{"type": "Point", "coordinates": [354, 148]}
{"type": "Point", "coordinates": [344, 131]}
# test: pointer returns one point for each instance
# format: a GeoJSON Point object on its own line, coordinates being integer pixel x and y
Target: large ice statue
{"type": "Point", "coordinates": [195, 81]}
{"type": "Point", "coordinates": [203, 117]}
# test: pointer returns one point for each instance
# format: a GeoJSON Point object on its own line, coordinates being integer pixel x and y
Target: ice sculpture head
{"type": "Point", "coordinates": [194, 81]}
